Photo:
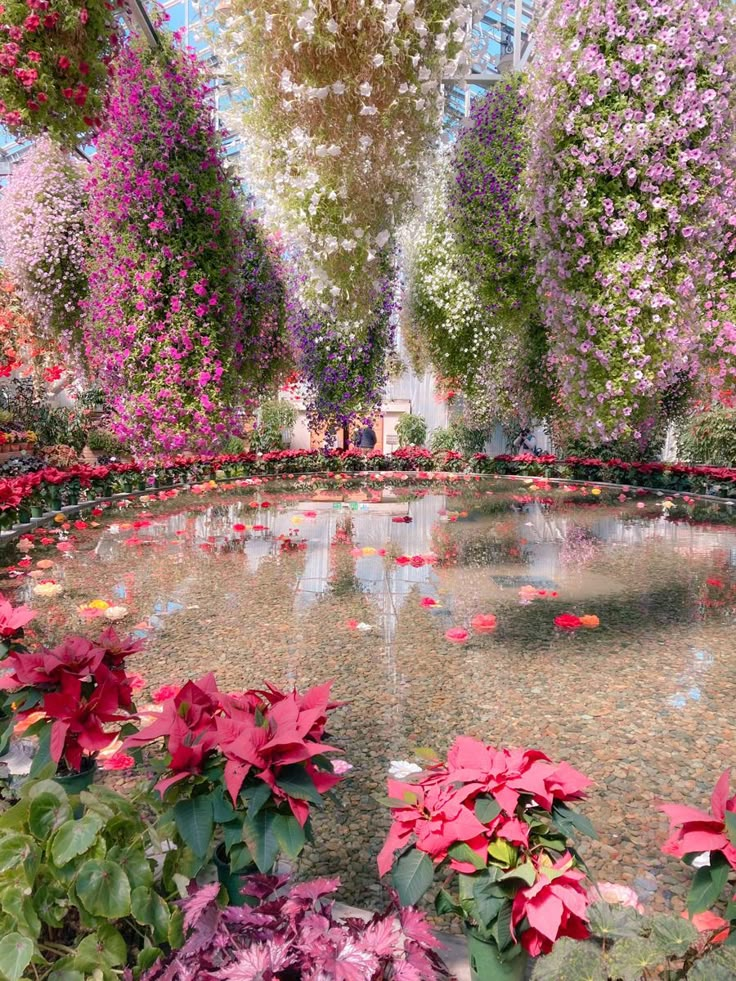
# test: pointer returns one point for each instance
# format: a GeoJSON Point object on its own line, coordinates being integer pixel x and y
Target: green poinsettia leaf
{"type": "Point", "coordinates": [412, 875]}
{"type": "Point", "coordinates": [708, 884]}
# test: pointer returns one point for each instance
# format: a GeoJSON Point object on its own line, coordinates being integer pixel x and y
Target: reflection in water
{"type": "Point", "coordinates": [642, 703]}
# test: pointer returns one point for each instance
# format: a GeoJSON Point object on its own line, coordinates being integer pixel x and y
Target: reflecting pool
{"type": "Point", "coordinates": [359, 581]}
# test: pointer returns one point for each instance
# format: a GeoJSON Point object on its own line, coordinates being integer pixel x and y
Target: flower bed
{"type": "Point", "coordinates": [47, 490]}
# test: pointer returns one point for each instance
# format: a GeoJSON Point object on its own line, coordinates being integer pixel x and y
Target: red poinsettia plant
{"type": "Point", "coordinates": [76, 697]}
{"type": "Point", "coordinates": [707, 842]}
{"type": "Point", "coordinates": [497, 823]}
{"type": "Point", "coordinates": [54, 57]}
{"type": "Point", "coordinates": [241, 771]}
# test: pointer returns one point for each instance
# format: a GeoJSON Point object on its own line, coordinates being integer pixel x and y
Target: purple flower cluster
{"type": "Point", "coordinates": [631, 105]}
{"type": "Point", "coordinates": [185, 317]}
{"type": "Point", "coordinates": [507, 380]}
{"type": "Point", "coordinates": [344, 371]}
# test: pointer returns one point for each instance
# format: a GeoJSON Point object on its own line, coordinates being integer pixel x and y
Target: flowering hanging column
{"type": "Point", "coordinates": [184, 321]}
{"type": "Point", "coordinates": [632, 108]}
{"type": "Point", "coordinates": [345, 102]}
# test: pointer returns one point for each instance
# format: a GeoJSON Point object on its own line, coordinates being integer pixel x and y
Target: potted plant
{"type": "Point", "coordinates": [496, 823]}
{"type": "Point", "coordinates": [240, 772]}
{"type": "Point", "coordinates": [75, 697]}
{"type": "Point", "coordinates": [294, 932]}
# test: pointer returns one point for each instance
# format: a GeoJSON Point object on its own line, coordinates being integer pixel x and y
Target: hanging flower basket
{"type": "Point", "coordinates": [54, 66]}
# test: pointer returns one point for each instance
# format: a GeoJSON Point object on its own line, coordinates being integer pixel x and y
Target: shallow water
{"type": "Point", "coordinates": [643, 704]}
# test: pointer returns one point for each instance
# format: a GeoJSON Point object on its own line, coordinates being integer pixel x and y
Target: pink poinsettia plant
{"type": "Point", "coordinates": [76, 697]}
{"type": "Point", "coordinates": [241, 770]}
{"type": "Point", "coordinates": [707, 842]}
{"type": "Point", "coordinates": [497, 823]}
{"type": "Point", "coordinates": [293, 933]}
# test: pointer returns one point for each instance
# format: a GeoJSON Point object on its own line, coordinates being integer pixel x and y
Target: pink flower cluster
{"type": "Point", "coordinates": [184, 320]}
{"type": "Point", "coordinates": [630, 153]}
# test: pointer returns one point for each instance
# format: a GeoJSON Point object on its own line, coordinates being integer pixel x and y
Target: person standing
{"type": "Point", "coordinates": [367, 438]}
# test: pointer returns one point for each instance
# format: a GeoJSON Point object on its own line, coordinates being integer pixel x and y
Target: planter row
{"type": "Point", "coordinates": [48, 491]}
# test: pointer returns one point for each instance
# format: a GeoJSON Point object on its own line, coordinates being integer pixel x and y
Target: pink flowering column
{"type": "Point", "coordinates": [184, 321]}
{"type": "Point", "coordinates": [633, 119]}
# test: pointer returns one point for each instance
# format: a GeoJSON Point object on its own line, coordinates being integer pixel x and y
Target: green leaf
{"type": "Point", "coordinates": [526, 872]}
{"type": "Point", "coordinates": [43, 754]}
{"type": "Point", "coordinates": [570, 959]}
{"type": "Point", "coordinates": [633, 957]}
{"type": "Point", "coordinates": [257, 797]}
{"type": "Point", "coordinates": [104, 948]}
{"type": "Point", "coordinates": [289, 834]}
{"type": "Point", "coordinates": [486, 809]}
{"type": "Point", "coordinates": [260, 838]}
{"type": "Point", "coordinates": [15, 817]}
{"type": "Point", "coordinates": [14, 849]}
{"type": "Point", "coordinates": [150, 909]}
{"type": "Point", "coordinates": [47, 813]}
{"type": "Point", "coordinates": [296, 782]}
{"type": "Point", "coordinates": [614, 921]}
{"type": "Point", "coordinates": [133, 862]}
{"type": "Point", "coordinates": [103, 889]}
{"type": "Point", "coordinates": [503, 852]}
{"type": "Point", "coordinates": [176, 929]}
{"type": "Point", "coordinates": [569, 821]}
{"type": "Point", "coordinates": [74, 838]}
{"type": "Point", "coordinates": [412, 875]}
{"type": "Point", "coordinates": [65, 974]}
{"type": "Point", "coordinates": [15, 955]}
{"type": "Point", "coordinates": [50, 900]}
{"type": "Point", "coordinates": [718, 965]}
{"type": "Point", "coordinates": [488, 900]}
{"type": "Point", "coordinates": [147, 958]}
{"type": "Point", "coordinates": [444, 903]}
{"type": "Point", "coordinates": [222, 808]}
{"type": "Point", "coordinates": [674, 933]}
{"type": "Point", "coordinates": [708, 884]}
{"type": "Point", "coordinates": [195, 823]}
{"type": "Point", "coordinates": [17, 904]}
{"type": "Point", "coordinates": [502, 928]}
{"type": "Point", "coordinates": [462, 852]}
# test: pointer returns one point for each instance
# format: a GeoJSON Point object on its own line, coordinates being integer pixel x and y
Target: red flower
{"type": "Point", "coordinates": [714, 582]}
{"type": "Point", "coordinates": [417, 561]}
{"type": "Point", "coordinates": [403, 560]}
{"type": "Point", "coordinates": [483, 623]}
{"type": "Point", "coordinates": [13, 618]}
{"type": "Point", "coordinates": [118, 761]}
{"type": "Point", "coordinates": [694, 831]}
{"type": "Point", "coordinates": [456, 635]}
{"type": "Point", "coordinates": [240, 527]}
{"type": "Point", "coordinates": [428, 602]}
{"type": "Point", "coordinates": [164, 693]}
{"type": "Point", "coordinates": [568, 621]}
{"type": "Point", "coordinates": [555, 906]}
{"type": "Point", "coordinates": [63, 62]}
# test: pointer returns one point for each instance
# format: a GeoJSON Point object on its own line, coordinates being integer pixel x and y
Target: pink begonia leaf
{"type": "Point", "coordinates": [415, 926]}
{"type": "Point", "coordinates": [406, 971]}
{"type": "Point", "coordinates": [197, 902]}
{"type": "Point", "coordinates": [315, 889]}
{"type": "Point", "coordinates": [381, 938]}
{"type": "Point", "coordinates": [720, 795]}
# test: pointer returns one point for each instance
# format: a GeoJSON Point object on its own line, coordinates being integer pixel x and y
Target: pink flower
{"type": "Point", "coordinates": [118, 761]}
{"type": "Point", "coordinates": [553, 906]}
{"type": "Point", "coordinates": [483, 623]}
{"type": "Point", "coordinates": [164, 693]}
{"type": "Point", "coordinates": [615, 894]}
{"type": "Point", "coordinates": [456, 635]}
{"type": "Point", "coordinates": [695, 831]}
{"type": "Point", "coordinates": [341, 767]}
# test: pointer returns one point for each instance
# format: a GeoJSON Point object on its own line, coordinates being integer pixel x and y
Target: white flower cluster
{"type": "Point", "coordinates": [42, 236]}
{"type": "Point", "coordinates": [443, 303]}
{"type": "Point", "coordinates": [346, 100]}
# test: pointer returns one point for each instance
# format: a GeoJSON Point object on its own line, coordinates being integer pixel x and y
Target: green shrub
{"type": "Point", "coordinates": [104, 442]}
{"type": "Point", "coordinates": [709, 437]}
{"type": "Point", "coordinates": [81, 891]}
{"type": "Point", "coordinates": [411, 430]}
{"type": "Point", "coordinates": [458, 438]}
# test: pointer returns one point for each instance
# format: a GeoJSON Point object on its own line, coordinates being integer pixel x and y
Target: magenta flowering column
{"type": "Point", "coordinates": [632, 118]}
{"type": "Point", "coordinates": [185, 316]}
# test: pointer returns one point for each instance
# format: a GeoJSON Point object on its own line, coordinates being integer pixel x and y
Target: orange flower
{"type": "Point", "coordinates": [590, 621]}
{"type": "Point", "coordinates": [483, 623]}
{"type": "Point", "coordinates": [45, 564]}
